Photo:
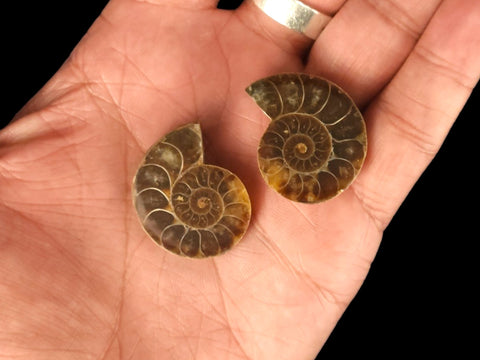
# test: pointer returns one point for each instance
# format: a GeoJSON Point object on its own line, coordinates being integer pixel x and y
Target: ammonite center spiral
{"type": "Point", "coordinates": [202, 208]}
{"type": "Point", "coordinates": [309, 148]}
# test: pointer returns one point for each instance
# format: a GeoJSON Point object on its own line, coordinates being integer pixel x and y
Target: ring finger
{"type": "Point", "coordinates": [259, 16]}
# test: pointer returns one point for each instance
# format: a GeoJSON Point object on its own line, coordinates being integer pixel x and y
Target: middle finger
{"type": "Point", "coordinates": [366, 42]}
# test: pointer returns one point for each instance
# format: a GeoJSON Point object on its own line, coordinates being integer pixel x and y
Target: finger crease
{"type": "Point", "coordinates": [444, 67]}
{"type": "Point", "coordinates": [396, 16]}
{"type": "Point", "coordinates": [421, 138]}
{"type": "Point", "coordinates": [373, 207]}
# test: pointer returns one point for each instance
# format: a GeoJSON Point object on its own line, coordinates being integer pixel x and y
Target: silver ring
{"type": "Point", "coordinates": [295, 15]}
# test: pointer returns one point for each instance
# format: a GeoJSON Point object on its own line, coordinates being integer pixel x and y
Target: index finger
{"type": "Point", "coordinates": [409, 120]}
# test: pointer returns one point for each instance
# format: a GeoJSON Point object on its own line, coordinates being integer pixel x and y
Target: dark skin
{"type": "Point", "coordinates": [85, 281]}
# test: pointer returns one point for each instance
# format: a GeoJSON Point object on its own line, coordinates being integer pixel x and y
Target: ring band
{"type": "Point", "coordinates": [295, 15]}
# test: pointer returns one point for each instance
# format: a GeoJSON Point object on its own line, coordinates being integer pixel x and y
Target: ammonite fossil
{"type": "Point", "coordinates": [189, 208]}
{"type": "Point", "coordinates": [316, 142]}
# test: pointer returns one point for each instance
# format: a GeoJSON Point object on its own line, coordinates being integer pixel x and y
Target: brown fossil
{"type": "Point", "coordinates": [316, 142]}
{"type": "Point", "coordinates": [189, 208]}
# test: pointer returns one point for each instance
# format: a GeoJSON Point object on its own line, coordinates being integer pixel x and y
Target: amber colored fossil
{"type": "Point", "coordinates": [316, 142]}
{"type": "Point", "coordinates": [189, 208]}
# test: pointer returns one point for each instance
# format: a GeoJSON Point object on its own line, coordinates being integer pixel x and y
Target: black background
{"type": "Point", "coordinates": [420, 295]}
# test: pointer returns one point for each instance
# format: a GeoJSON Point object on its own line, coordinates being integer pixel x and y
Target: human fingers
{"type": "Point", "coordinates": [409, 120]}
{"type": "Point", "coordinates": [367, 41]}
{"type": "Point", "coordinates": [258, 15]}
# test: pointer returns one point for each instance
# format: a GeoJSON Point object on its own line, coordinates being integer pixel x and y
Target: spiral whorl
{"type": "Point", "coordinates": [189, 208]}
{"type": "Point", "coordinates": [316, 142]}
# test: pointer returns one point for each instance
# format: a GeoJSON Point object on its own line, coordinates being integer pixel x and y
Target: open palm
{"type": "Point", "coordinates": [80, 279]}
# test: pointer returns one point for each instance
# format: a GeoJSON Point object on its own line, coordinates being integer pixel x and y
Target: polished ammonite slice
{"type": "Point", "coordinates": [188, 207]}
{"type": "Point", "coordinates": [316, 142]}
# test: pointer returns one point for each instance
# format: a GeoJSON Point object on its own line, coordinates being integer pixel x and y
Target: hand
{"type": "Point", "coordinates": [80, 279]}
